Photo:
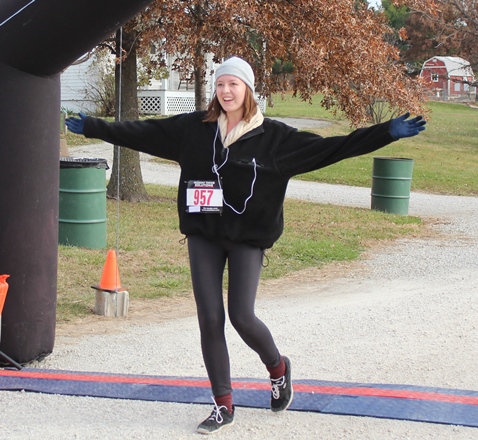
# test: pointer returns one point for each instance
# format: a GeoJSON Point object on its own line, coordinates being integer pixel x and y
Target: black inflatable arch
{"type": "Point", "coordinates": [39, 38]}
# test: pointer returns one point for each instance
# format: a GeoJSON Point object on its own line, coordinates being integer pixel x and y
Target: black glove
{"type": "Point", "coordinates": [76, 125]}
{"type": "Point", "coordinates": [400, 128]}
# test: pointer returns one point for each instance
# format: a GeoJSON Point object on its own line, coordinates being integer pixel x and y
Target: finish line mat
{"type": "Point", "coordinates": [401, 402]}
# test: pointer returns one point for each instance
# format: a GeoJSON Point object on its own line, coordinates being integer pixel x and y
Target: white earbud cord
{"type": "Point", "coordinates": [216, 168]}
{"type": "Point", "coordinates": [16, 13]}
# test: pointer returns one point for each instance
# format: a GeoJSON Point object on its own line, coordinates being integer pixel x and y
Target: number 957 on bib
{"type": "Point", "coordinates": [204, 197]}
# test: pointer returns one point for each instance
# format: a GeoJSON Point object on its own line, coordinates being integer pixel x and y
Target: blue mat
{"type": "Point", "coordinates": [402, 402]}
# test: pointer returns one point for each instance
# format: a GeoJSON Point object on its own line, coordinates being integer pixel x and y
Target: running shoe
{"type": "Point", "coordinates": [281, 390]}
{"type": "Point", "coordinates": [219, 418]}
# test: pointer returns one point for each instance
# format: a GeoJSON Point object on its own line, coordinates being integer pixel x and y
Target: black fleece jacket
{"type": "Point", "coordinates": [279, 151]}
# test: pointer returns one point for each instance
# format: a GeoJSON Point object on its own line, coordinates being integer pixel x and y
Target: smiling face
{"type": "Point", "coordinates": [231, 92]}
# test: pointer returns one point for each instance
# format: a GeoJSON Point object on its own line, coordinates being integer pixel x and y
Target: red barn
{"type": "Point", "coordinates": [449, 78]}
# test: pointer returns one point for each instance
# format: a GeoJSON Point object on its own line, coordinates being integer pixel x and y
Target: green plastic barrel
{"type": "Point", "coordinates": [82, 216]}
{"type": "Point", "coordinates": [391, 182]}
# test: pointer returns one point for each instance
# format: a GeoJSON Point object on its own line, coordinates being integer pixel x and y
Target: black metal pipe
{"type": "Point", "coordinates": [10, 361]}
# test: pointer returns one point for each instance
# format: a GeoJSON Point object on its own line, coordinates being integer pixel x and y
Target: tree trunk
{"type": "Point", "coordinates": [127, 184]}
{"type": "Point", "coordinates": [200, 80]}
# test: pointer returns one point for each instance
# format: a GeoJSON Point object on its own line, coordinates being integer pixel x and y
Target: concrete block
{"type": "Point", "coordinates": [112, 303]}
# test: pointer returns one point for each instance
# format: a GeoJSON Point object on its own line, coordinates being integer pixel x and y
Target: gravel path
{"type": "Point", "coordinates": [405, 314]}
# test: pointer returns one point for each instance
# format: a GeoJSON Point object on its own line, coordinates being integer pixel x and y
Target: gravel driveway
{"type": "Point", "coordinates": [404, 314]}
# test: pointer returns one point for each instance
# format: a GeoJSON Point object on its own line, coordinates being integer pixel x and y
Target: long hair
{"type": "Point", "coordinates": [214, 108]}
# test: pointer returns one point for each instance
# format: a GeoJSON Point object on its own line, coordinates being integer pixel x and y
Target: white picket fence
{"type": "Point", "coordinates": [167, 102]}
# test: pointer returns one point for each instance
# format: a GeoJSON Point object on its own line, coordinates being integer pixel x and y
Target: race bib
{"type": "Point", "coordinates": [204, 197]}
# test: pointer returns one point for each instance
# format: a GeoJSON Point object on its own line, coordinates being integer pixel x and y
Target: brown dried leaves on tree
{"type": "Point", "coordinates": [451, 29]}
{"type": "Point", "coordinates": [337, 48]}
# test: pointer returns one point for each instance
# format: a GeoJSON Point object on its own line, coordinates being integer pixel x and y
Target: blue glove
{"type": "Point", "coordinates": [76, 125]}
{"type": "Point", "coordinates": [400, 128]}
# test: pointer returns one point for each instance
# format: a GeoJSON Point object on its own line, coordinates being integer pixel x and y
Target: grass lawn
{"type": "Point", "coordinates": [445, 154]}
{"type": "Point", "coordinates": [154, 263]}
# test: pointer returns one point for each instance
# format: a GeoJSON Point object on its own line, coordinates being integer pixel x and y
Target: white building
{"type": "Point", "coordinates": [74, 88]}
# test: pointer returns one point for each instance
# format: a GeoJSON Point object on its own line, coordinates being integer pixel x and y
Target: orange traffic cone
{"type": "Point", "coordinates": [3, 296]}
{"type": "Point", "coordinates": [110, 280]}
{"type": "Point", "coordinates": [3, 291]}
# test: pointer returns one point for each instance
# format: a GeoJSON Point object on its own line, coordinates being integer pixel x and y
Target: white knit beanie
{"type": "Point", "coordinates": [239, 68]}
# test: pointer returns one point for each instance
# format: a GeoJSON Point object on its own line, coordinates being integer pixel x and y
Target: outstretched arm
{"type": "Point", "coordinates": [303, 151]}
{"type": "Point", "coordinates": [158, 137]}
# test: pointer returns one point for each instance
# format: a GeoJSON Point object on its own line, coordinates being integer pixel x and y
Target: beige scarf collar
{"type": "Point", "coordinates": [240, 129]}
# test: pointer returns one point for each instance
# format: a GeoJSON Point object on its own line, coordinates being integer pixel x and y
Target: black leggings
{"type": "Point", "coordinates": [207, 260]}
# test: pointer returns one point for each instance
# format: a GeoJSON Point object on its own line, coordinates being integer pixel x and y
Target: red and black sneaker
{"type": "Point", "coordinates": [282, 392]}
{"type": "Point", "coordinates": [219, 418]}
